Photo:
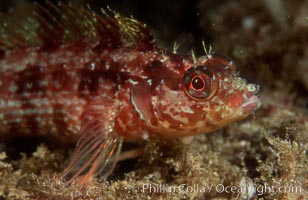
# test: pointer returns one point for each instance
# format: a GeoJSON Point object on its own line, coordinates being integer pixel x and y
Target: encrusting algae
{"type": "Point", "coordinates": [268, 149]}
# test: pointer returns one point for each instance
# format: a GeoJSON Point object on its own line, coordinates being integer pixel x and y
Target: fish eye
{"type": "Point", "coordinates": [197, 83]}
{"type": "Point", "coordinates": [200, 83]}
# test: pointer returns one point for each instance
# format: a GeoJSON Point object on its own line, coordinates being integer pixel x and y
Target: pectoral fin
{"type": "Point", "coordinates": [98, 147]}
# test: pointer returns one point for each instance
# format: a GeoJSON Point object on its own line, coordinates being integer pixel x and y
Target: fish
{"type": "Point", "coordinates": [100, 79]}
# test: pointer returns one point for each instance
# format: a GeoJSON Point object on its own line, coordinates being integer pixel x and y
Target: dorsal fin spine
{"type": "Point", "coordinates": [53, 25]}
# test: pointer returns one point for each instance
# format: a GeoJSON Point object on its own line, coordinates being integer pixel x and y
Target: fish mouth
{"type": "Point", "coordinates": [252, 104]}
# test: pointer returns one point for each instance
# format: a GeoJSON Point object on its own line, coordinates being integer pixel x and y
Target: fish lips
{"type": "Point", "coordinates": [252, 104]}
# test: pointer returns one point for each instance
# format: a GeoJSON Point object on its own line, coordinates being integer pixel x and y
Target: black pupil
{"type": "Point", "coordinates": [197, 83]}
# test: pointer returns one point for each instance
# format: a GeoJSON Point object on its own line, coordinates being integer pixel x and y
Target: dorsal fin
{"type": "Point", "coordinates": [54, 25]}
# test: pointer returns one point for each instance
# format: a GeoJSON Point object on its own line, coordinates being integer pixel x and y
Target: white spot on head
{"type": "Point", "coordinates": [231, 91]}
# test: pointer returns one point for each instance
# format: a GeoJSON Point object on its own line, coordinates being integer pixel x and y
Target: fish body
{"type": "Point", "coordinates": [101, 79]}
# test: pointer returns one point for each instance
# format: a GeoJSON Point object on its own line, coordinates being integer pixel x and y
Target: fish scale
{"type": "Point", "coordinates": [73, 74]}
{"type": "Point", "coordinates": [58, 88]}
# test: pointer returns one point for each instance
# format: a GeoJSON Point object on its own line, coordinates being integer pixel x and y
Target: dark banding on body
{"type": "Point", "coordinates": [157, 72]}
{"type": "Point", "coordinates": [31, 80]}
{"type": "Point", "coordinates": [88, 81]}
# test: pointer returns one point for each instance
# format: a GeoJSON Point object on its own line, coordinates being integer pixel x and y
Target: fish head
{"type": "Point", "coordinates": [211, 95]}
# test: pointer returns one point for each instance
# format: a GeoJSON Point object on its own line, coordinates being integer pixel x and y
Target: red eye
{"type": "Point", "coordinates": [200, 83]}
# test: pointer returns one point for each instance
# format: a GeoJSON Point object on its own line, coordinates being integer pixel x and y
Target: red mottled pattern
{"type": "Point", "coordinates": [69, 73]}
{"type": "Point", "coordinates": [46, 94]}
